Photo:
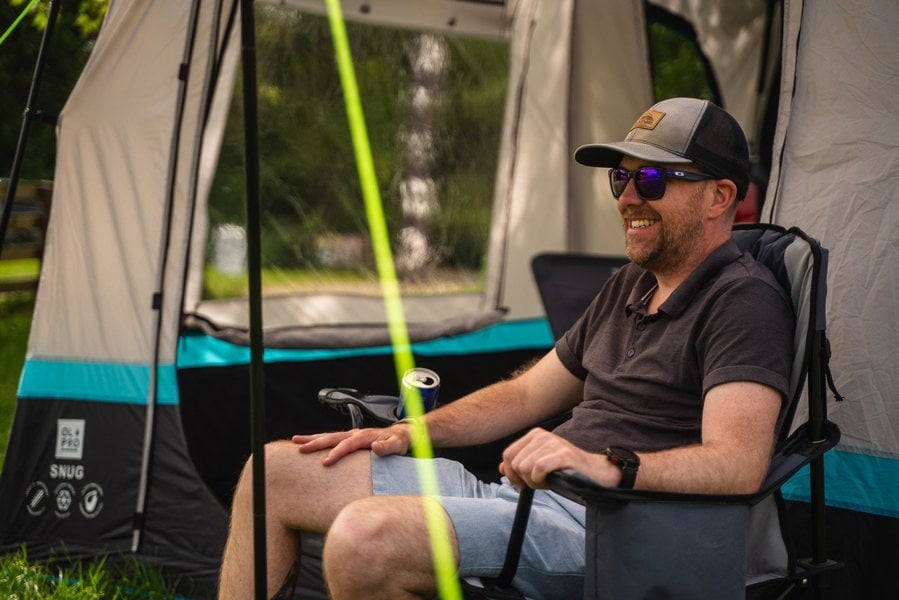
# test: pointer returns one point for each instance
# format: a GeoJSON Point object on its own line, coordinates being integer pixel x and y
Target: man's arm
{"type": "Point", "coordinates": [545, 389]}
{"type": "Point", "coordinates": [738, 424]}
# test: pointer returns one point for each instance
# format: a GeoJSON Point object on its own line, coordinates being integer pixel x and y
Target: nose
{"type": "Point", "coordinates": [629, 196]}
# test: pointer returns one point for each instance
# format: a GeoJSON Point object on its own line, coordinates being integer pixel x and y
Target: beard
{"type": "Point", "coordinates": [678, 235]}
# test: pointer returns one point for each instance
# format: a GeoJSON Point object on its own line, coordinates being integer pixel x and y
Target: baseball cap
{"type": "Point", "coordinates": [681, 131]}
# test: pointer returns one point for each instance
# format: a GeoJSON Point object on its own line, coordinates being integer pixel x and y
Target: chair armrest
{"type": "Point", "coordinates": [798, 451]}
{"type": "Point", "coordinates": [577, 486]}
{"type": "Point", "coordinates": [361, 407]}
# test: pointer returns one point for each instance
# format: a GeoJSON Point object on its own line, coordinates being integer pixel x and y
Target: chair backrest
{"type": "Point", "coordinates": [800, 265]}
{"type": "Point", "coordinates": [568, 282]}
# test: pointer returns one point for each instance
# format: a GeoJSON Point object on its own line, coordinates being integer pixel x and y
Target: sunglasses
{"type": "Point", "coordinates": [649, 181]}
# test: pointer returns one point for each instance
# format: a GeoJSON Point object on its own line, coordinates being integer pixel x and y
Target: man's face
{"type": "Point", "coordinates": [662, 235]}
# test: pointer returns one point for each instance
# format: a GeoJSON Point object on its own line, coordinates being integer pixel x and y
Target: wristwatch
{"type": "Point", "coordinates": [627, 461]}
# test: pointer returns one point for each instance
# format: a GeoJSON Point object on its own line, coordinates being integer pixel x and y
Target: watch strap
{"type": "Point", "coordinates": [627, 462]}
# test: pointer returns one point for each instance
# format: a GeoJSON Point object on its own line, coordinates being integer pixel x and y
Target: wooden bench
{"type": "Point", "coordinates": [26, 231]}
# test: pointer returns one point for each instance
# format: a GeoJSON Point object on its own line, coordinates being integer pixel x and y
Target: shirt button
{"type": "Point", "coordinates": [631, 352]}
{"type": "Point", "coordinates": [641, 326]}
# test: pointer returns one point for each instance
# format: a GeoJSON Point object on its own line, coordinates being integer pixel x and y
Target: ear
{"type": "Point", "coordinates": [724, 196]}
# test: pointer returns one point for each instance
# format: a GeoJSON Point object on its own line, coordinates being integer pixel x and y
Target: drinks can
{"type": "Point", "coordinates": [426, 381]}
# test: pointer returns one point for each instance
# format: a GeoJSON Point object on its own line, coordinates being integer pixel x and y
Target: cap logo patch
{"type": "Point", "coordinates": [649, 119]}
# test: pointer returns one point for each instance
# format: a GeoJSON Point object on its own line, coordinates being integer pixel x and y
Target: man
{"type": "Point", "coordinates": [675, 375]}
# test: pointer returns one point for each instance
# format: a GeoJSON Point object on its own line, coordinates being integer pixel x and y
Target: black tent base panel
{"type": "Point", "coordinates": [69, 489]}
{"type": "Point", "coordinates": [865, 543]}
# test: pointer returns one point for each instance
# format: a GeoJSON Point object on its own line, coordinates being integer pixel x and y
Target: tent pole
{"type": "Point", "coordinates": [26, 122]}
{"type": "Point", "coordinates": [257, 400]}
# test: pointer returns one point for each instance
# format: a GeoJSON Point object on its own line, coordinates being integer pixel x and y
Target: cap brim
{"type": "Point", "coordinates": [609, 155]}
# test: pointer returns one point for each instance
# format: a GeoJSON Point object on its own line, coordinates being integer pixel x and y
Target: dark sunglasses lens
{"type": "Point", "coordinates": [650, 183]}
{"type": "Point", "coordinates": [618, 179]}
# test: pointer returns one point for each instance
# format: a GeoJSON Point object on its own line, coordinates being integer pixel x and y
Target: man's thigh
{"type": "Point", "coordinates": [306, 494]}
{"type": "Point", "coordinates": [552, 562]}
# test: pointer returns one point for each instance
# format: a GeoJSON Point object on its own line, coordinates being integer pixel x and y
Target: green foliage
{"type": "Point", "coordinates": [308, 181]}
{"type": "Point", "coordinates": [87, 18]}
{"type": "Point", "coordinates": [678, 70]}
{"type": "Point", "coordinates": [101, 579]}
{"type": "Point", "coordinates": [72, 41]}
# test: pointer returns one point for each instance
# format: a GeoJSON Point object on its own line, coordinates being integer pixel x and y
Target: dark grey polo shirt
{"type": "Point", "coordinates": [645, 376]}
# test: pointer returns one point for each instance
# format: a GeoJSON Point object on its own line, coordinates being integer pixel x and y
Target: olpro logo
{"type": "Point", "coordinates": [69, 438]}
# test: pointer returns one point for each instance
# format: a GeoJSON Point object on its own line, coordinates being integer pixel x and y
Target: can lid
{"type": "Point", "coordinates": [419, 377]}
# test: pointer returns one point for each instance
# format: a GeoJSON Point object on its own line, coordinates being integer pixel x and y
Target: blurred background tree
{"type": "Point", "coordinates": [73, 38]}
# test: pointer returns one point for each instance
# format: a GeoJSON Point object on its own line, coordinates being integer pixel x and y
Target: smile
{"type": "Point", "coordinates": [641, 223]}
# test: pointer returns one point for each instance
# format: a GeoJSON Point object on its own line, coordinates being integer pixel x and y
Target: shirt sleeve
{"type": "Point", "coordinates": [748, 336]}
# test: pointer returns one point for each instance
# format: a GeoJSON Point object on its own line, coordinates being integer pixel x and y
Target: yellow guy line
{"type": "Point", "coordinates": [17, 21]}
{"type": "Point", "coordinates": [441, 548]}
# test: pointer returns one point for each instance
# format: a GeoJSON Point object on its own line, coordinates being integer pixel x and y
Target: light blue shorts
{"type": "Point", "coordinates": [552, 558]}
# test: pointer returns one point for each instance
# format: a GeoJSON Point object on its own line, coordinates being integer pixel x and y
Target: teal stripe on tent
{"type": "Point", "coordinates": [129, 383]}
{"type": "Point", "coordinates": [853, 481]}
{"type": "Point", "coordinates": [95, 382]}
{"type": "Point", "coordinates": [205, 351]}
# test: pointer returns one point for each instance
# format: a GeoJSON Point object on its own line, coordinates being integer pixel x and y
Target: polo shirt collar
{"type": "Point", "coordinates": [680, 299]}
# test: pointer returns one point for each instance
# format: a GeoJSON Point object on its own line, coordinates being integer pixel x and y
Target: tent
{"type": "Point", "coordinates": [131, 421]}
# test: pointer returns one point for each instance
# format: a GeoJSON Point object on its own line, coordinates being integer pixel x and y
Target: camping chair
{"type": "Point", "coordinates": [644, 544]}
{"type": "Point", "coordinates": [649, 544]}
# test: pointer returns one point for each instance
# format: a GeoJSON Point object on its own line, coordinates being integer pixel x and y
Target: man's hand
{"type": "Point", "coordinates": [528, 461]}
{"type": "Point", "coordinates": [390, 440]}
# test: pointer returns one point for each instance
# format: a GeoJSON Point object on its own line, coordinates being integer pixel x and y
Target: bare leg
{"type": "Point", "coordinates": [379, 547]}
{"type": "Point", "coordinates": [301, 494]}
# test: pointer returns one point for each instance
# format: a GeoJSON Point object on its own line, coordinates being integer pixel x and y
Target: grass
{"type": "Point", "coordinates": [19, 578]}
{"type": "Point", "coordinates": [98, 580]}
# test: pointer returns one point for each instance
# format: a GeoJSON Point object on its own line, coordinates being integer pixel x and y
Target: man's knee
{"type": "Point", "coordinates": [381, 541]}
{"type": "Point", "coordinates": [363, 531]}
{"type": "Point", "coordinates": [374, 541]}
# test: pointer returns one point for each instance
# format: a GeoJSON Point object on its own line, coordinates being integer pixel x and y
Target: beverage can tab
{"type": "Point", "coordinates": [426, 382]}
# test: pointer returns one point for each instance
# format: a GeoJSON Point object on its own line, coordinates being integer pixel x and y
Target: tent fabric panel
{"type": "Point", "coordinates": [610, 87]}
{"type": "Point", "coordinates": [730, 34]}
{"type": "Point", "coordinates": [122, 188]}
{"type": "Point", "coordinates": [96, 382]}
{"type": "Point", "coordinates": [534, 143]}
{"type": "Point", "coordinates": [212, 136]}
{"type": "Point", "coordinates": [305, 310]}
{"type": "Point", "coordinates": [484, 19]}
{"type": "Point", "coordinates": [838, 181]}
{"type": "Point", "coordinates": [350, 336]}
{"type": "Point", "coordinates": [109, 190]}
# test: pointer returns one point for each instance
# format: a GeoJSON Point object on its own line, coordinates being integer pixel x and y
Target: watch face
{"type": "Point", "coordinates": [623, 459]}
{"type": "Point", "coordinates": [628, 462]}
